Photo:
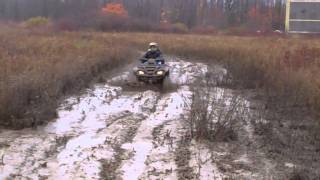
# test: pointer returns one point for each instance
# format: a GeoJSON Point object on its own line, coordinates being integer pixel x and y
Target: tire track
{"type": "Point", "coordinates": [147, 162]}
{"type": "Point", "coordinates": [105, 130]}
{"type": "Point", "coordinates": [90, 128]}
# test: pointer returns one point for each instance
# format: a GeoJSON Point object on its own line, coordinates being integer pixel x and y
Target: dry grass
{"type": "Point", "coordinates": [287, 68]}
{"type": "Point", "coordinates": [38, 68]}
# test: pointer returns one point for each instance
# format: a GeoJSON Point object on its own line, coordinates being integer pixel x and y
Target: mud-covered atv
{"type": "Point", "coordinates": [151, 71]}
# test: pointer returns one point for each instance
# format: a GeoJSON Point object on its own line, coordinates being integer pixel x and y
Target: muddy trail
{"type": "Point", "coordinates": [117, 131]}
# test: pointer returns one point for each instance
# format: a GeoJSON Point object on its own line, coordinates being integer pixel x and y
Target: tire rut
{"type": "Point", "coordinates": [84, 136]}
{"type": "Point", "coordinates": [106, 133]}
{"type": "Point", "coordinates": [152, 159]}
{"type": "Point", "coordinates": [182, 159]}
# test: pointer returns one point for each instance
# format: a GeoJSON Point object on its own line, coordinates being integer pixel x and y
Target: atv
{"type": "Point", "coordinates": [151, 71]}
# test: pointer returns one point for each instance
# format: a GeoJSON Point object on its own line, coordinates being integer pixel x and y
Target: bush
{"type": "Point", "coordinates": [37, 22]}
{"type": "Point", "coordinates": [204, 30]}
{"type": "Point", "coordinates": [66, 25]}
{"type": "Point", "coordinates": [179, 28]}
{"type": "Point", "coordinates": [241, 30]}
{"type": "Point", "coordinates": [111, 23]}
{"type": "Point", "coordinates": [213, 113]}
{"type": "Point", "coordinates": [103, 22]}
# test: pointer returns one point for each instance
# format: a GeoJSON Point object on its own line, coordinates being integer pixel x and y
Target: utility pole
{"type": "Point", "coordinates": [287, 23]}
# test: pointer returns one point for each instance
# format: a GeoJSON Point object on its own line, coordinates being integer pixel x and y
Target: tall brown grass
{"type": "Point", "coordinates": [38, 68]}
{"type": "Point", "coordinates": [288, 68]}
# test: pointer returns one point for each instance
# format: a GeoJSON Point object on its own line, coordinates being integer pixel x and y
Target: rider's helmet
{"type": "Point", "coordinates": [153, 46]}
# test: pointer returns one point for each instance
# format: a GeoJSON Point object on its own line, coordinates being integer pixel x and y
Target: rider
{"type": "Point", "coordinates": [153, 52]}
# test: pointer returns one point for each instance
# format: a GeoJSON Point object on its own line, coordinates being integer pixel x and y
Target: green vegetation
{"type": "Point", "coordinates": [37, 22]}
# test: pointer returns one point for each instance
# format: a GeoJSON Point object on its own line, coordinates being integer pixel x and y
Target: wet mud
{"type": "Point", "coordinates": [127, 130]}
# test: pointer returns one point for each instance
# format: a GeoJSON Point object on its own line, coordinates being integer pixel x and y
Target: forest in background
{"type": "Point", "coordinates": [148, 15]}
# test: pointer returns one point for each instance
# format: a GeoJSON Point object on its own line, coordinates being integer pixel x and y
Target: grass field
{"type": "Point", "coordinates": [288, 68]}
{"type": "Point", "coordinates": [38, 68]}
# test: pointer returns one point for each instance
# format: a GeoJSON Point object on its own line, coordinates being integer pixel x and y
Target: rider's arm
{"type": "Point", "coordinates": [146, 55]}
{"type": "Point", "coordinates": [160, 57]}
{"type": "Point", "coordinates": [159, 54]}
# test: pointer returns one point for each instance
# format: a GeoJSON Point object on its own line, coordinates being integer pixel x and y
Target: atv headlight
{"type": "Point", "coordinates": [140, 73]}
{"type": "Point", "coordinates": [160, 73]}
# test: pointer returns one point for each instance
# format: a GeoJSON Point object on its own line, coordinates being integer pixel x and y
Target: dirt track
{"type": "Point", "coordinates": [110, 132]}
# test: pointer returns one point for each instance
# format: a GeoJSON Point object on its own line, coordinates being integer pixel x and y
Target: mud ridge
{"type": "Point", "coordinates": [109, 167]}
{"type": "Point", "coordinates": [182, 159]}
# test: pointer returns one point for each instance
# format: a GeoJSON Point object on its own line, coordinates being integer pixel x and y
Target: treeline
{"type": "Point", "coordinates": [266, 14]}
{"type": "Point", "coordinates": [25, 9]}
{"type": "Point", "coordinates": [251, 14]}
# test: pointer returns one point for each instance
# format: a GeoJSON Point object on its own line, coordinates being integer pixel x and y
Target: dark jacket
{"type": "Point", "coordinates": [153, 54]}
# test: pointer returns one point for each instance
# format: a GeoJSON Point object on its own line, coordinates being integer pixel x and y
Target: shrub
{"type": "Point", "coordinates": [116, 9]}
{"type": "Point", "coordinates": [103, 22]}
{"type": "Point", "coordinates": [37, 22]}
{"type": "Point", "coordinates": [66, 25]}
{"type": "Point", "coordinates": [111, 23]}
{"type": "Point", "coordinates": [213, 112]}
{"type": "Point", "coordinates": [179, 28]}
{"type": "Point", "coordinates": [241, 30]}
{"type": "Point", "coordinates": [204, 30]}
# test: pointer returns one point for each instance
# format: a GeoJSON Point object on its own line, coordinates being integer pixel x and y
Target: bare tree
{"type": "Point", "coordinates": [268, 14]}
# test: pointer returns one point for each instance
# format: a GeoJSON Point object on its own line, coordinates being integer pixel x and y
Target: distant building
{"type": "Point", "coordinates": [303, 16]}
